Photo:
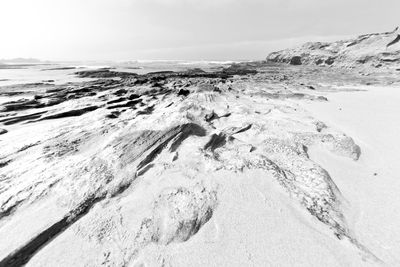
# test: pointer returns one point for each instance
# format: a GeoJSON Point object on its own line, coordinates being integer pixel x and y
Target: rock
{"type": "Point", "coordinates": [330, 61]}
{"type": "Point", "coordinates": [120, 92]}
{"type": "Point", "coordinates": [319, 125]}
{"type": "Point", "coordinates": [238, 69]}
{"type": "Point", "coordinates": [62, 68]}
{"type": "Point", "coordinates": [104, 73]}
{"type": "Point", "coordinates": [394, 41]}
{"type": "Point", "coordinates": [116, 100]}
{"type": "Point", "coordinates": [319, 61]}
{"type": "Point", "coordinates": [146, 111]}
{"type": "Point", "coordinates": [216, 141]}
{"type": "Point", "coordinates": [22, 104]}
{"type": "Point", "coordinates": [3, 131]}
{"type": "Point", "coordinates": [195, 71]}
{"type": "Point", "coordinates": [16, 119]}
{"type": "Point", "coordinates": [183, 92]}
{"type": "Point", "coordinates": [368, 50]}
{"type": "Point", "coordinates": [160, 147]}
{"type": "Point", "coordinates": [130, 103]}
{"type": "Point", "coordinates": [133, 96]}
{"type": "Point", "coordinates": [113, 115]}
{"type": "Point", "coordinates": [210, 116]}
{"type": "Point", "coordinates": [217, 89]}
{"type": "Point", "coordinates": [236, 130]}
{"type": "Point", "coordinates": [296, 60]}
{"type": "Point", "coordinates": [70, 113]}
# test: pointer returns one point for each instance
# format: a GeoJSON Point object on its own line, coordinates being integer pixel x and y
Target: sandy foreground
{"type": "Point", "coordinates": [372, 183]}
{"type": "Point", "coordinates": [283, 167]}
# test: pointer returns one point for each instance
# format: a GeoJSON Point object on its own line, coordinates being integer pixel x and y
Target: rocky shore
{"type": "Point", "coordinates": [376, 50]}
{"type": "Point", "coordinates": [126, 169]}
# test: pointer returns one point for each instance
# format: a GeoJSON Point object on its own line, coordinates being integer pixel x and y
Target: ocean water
{"type": "Point", "coordinates": [63, 72]}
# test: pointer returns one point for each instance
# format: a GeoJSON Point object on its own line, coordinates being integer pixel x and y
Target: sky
{"type": "Point", "coordinates": [181, 29]}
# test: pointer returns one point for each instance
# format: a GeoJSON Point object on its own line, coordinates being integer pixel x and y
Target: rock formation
{"type": "Point", "coordinates": [378, 50]}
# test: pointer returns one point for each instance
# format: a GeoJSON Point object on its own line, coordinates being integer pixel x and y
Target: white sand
{"type": "Point", "coordinates": [372, 118]}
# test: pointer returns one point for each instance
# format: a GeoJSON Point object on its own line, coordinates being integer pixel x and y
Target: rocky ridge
{"type": "Point", "coordinates": [377, 50]}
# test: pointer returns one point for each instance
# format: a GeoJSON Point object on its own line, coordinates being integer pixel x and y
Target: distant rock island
{"type": "Point", "coordinates": [371, 50]}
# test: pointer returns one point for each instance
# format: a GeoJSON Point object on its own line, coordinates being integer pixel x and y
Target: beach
{"type": "Point", "coordinates": [240, 164]}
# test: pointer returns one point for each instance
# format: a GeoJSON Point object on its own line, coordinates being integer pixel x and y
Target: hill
{"type": "Point", "coordinates": [379, 50]}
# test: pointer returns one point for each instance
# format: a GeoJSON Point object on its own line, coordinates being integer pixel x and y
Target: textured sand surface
{"type": "Point", "coordinates": [253, 165]}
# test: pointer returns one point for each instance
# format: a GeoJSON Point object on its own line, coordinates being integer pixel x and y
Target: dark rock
{"type": "Point", "coordinates": [128, 104]}
{"type": "Point", "coordinates": [211, 116]}
{"type": "Point", "coordinates": [113, 115]}
{"type": "Point", "coordinates": [160, 73]}
{"type": "Point", "coordinates": [117, 100]}
{"type": "Point", "coordinates": [236, 130]}
{"type": "Point", "coordinates": [133, 96]}
{"type": "Point", "coordinates": [243, 129]}
{"type": "Point", "coordinates": [70, 113]}
{"type": "Point", "coordinates": [296, 60]}
{"type": "Point", "coordinates": [16, 119]}
{"type": "Point", "coordinates": [62, 68]}
{"type": "Point", "coordinates": [22, 104]}
{"type": "Point", "coordinates": [146, 111]}
{"type": "Point", "coordinates": [216, 141]}
{"type": "Point", "coordinates": [3, 131]}
{"type": "Point", "coordinates": [236, 69]}
{"type": "Point", "coordinates": [329, 61]}
{"type": "Point", "coordinates": [4, 163]}
{"type": "Point", "coordinates": [394, 41]}
{"type": "Point", "coordinates": [225, 115]}
{"type": "Point", "coordinates": [120, 92]}
{"type": "Point", "coordinates": [390, 59]}
{"type": "Point", "coordinates": [152, 143]}
{"type": "Point", "coordinates": [195, 71]}
{"type": "Point", "coordinates": [216, 89]}
{"type": "Point", "coordinates": [183, 92]}
{"type": "Point", "coordinates": [157, 85]}
{"type": "Point", "coordinates": [319, 126]}
{"type": "Point", "coordinates": [104, 73]}
{"type": "Point", "coordinates": [36, 97]}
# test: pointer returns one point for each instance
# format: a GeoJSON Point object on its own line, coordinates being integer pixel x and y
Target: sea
{"type": "Point", "coordinates": [63, 72]}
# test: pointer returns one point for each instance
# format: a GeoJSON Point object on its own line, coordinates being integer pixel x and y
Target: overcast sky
{"type": "Point", "coordinates": [181, 29]}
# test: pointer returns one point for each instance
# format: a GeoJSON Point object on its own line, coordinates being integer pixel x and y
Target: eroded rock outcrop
{"type": "Point", "coordinates": [369, 50]}
{"type": "Point", "coordinates": [128, 161]}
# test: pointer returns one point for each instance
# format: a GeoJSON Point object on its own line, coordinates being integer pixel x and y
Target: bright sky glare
{"type": "Point", "coordinates": [181, 29]}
